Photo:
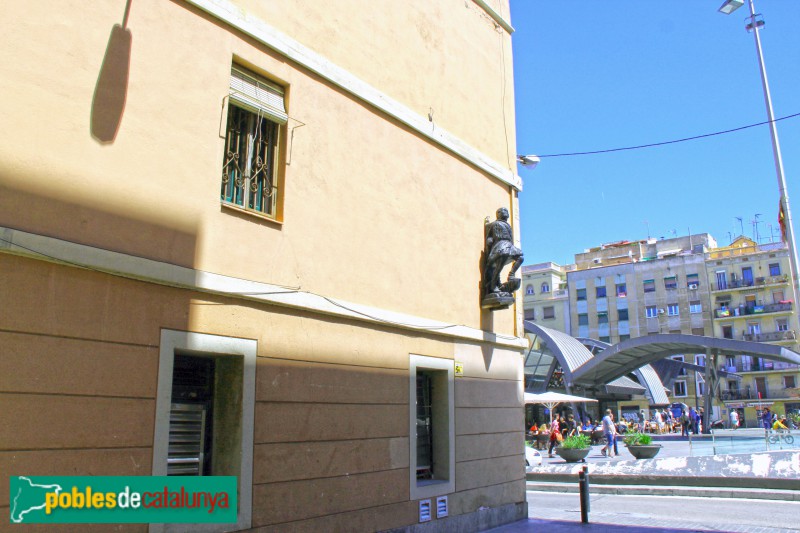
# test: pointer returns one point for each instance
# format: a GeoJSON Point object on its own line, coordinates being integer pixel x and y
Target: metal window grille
{"type": "Point", "coordinates": [248, 175]}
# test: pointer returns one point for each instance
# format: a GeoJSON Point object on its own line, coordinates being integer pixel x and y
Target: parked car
{"type": "Point", "coordinates": [533, 457]}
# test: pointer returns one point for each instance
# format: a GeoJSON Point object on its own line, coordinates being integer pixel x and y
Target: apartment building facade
{"type": "Point", "coordinates": [751, 295]}
{"type": "Point", "coordinates": [545, 298]}
{"type": "Point", "coordinates": [237, 214]}
{"type": "Point", "coordinates": [689, 285]}
{"type": "Point", "coordinates": [659, 288]}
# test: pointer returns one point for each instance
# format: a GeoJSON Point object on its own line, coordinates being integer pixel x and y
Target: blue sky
{"type": "Point", "coordinates": [593, 75]}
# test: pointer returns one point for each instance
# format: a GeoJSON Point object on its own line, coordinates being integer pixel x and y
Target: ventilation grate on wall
{"type": "Point", "coordinates": [441, 506]}
{"type": "Point", "coordinates": [424, 510]}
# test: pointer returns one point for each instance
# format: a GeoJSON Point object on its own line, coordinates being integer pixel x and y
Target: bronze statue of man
{"type": "Point", "coordinates": [500, 251]}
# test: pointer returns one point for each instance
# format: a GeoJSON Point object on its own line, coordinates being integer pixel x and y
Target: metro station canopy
{"type": "Point", "coordinates": [619, 359]}
{"type": "Point", "coordinates": [609, 363]}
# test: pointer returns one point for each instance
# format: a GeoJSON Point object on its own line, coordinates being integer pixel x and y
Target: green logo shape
{"type": "Point", "coordinates": [122, 499]}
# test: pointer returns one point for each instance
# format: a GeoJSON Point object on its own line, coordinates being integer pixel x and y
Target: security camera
{"type": "Point", "coordinates": [528, 161]}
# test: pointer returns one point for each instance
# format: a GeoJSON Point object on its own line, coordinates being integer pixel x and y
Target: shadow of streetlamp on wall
{"type": "Point", "coordinates": [111, 90]}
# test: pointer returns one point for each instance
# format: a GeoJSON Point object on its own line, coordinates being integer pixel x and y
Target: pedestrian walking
{"type": "Point", "coordinates": [734, 419]}
{"type": "Point", "coordinates": [555, 433]}
{"type": "Point", "coordinates": [610, 431]}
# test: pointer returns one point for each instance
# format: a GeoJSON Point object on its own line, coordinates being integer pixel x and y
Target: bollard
{"type": "Point", "coordinates": [583, 483]}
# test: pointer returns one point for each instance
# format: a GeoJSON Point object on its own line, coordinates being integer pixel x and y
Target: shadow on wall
{"type": "Point", "coordinates": [111, 90]}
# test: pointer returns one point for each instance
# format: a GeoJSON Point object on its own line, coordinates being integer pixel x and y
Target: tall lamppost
{"type": "Point", "coordinates": [754, 23]}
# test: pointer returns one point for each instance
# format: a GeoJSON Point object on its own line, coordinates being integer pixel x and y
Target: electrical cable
{"type": "Point", "coordinates": [651, 145]}
{"type": "Point", "coordinates": [291, 290]}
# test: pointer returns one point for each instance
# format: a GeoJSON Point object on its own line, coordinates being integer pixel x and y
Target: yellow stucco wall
{"type": "Point", "coordinates": [360, 190]}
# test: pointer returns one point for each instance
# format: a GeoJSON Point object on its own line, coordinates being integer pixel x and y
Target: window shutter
{"type": "Point", "coordinates": [258, 95]}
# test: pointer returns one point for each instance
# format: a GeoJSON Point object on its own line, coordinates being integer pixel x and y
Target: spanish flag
{"type": "Point", "coordinates": [782, 220]}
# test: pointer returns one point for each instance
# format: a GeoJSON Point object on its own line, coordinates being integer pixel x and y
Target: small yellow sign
{"type": "Point", "coordinates": [459, 369]}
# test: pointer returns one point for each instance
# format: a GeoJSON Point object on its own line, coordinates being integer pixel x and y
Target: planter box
{"type": "Point", "coordinates": [642, 451]}
{"type": "Point", "coordinates": [573, 455]}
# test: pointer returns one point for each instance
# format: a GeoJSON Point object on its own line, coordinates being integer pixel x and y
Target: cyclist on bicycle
{"type": "Point", "coordinates": [780, 424]}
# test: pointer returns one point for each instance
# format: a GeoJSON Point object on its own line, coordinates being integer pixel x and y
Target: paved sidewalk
{"type": "Point", "coordinates": [561, 526]}
{"type": "Point", "coordinates": [730, 484]}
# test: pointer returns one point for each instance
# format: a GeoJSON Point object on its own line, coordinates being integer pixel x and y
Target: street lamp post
{"type": "Point", "coordinates": [754, 24]}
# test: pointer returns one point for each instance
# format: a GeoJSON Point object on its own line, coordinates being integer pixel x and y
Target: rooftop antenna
{"type": "Point", "coordinates": [730, 237]}
{"type": "Point", "coordinates": [648, 229]}
{"type": "Point", "coordinates": [741, 227]}
{"type": "Point", "coordinates": [755, 227]}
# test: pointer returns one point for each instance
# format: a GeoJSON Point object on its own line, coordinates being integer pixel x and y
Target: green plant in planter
{"type": "Point", "coordinates": [576, 442]}
{"type": "Point", "coordinates": [638, 439]}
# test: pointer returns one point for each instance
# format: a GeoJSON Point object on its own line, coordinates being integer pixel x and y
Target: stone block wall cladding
{"type": "Point", "coordinates": [331, 447]}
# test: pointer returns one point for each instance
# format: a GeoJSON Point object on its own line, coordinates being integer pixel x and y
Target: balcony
{"type": "Point", "coordinates": [775, 336]}
{"type": "Point", "coordinates": [747, 394]}
{"type": "Point", "coordinates": [744, 284]}
{"type": "Point", "coordinates": [759, 365]}
{"type": "Point", "coordinates": [744, 310]}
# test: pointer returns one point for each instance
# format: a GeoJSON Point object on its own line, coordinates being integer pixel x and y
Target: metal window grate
{"type": "Point", "coordinates": [187, 426]}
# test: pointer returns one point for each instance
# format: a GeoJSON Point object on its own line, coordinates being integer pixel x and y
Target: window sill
{"type": "Point", "coordinates": [429, 482]}
{"type": "Point", "coordinates": [250, 212]}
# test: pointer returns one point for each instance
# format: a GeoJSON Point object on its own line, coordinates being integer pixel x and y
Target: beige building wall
{"type": "Point", "coordinates": [752, 300]}
{"type": "Point", "coordinates": [372, 258]}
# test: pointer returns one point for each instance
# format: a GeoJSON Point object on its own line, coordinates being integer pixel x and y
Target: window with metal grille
{"type": "Point", "coordinates": [249, 173]}
{"type": "Point", "coordinates": [424, 425]}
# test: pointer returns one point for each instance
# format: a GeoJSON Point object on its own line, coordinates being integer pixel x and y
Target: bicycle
{"type": "Point", "coordinates": [779, 435]}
